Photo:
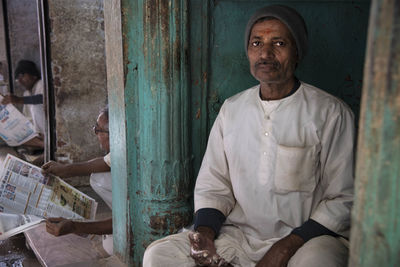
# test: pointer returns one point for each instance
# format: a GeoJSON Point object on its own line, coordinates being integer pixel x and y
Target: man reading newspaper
{"type": "Point", "coordinates": [28, 75]}
{"type": "Point", "coordinates": [27, 197]}
{"type": "Point", "coordinates": [100, 180]}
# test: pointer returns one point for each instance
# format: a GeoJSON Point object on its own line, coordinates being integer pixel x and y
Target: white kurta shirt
{"type": "Point", "coordinates": [107, 159]}
{"type": "Point", "coordinates": [272, 165]}
{"type": "Point", "coordinates": [36, 111]}
{"type": "Point", "coordinates": [102, 185]}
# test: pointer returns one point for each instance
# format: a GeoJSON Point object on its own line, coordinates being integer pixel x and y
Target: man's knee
{"type": "Point", "coordinates": [157, 254]}
{"type": "Point", "coordinates": [324, 251]}
{"type": "Point", "coordinates": [170, 251]}
{"type": "Point", "coordinates": [150, 257]}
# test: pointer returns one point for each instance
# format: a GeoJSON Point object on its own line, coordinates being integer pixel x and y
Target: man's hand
{"type": "Point", "coordinates": [60, 226]}
{"type": "Point", "coordinates": [202, 248]}
{"type": "Point", "coordinates": [7, 99]}
{"type": "Point", "coordinates": [281, 252]}
{"type": "Point", "coordinates": [55, 168]}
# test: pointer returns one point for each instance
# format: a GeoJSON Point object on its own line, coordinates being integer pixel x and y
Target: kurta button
{"type": "Point", "coordinates": [266, 117]}
{"type": "Point", "coordinates": [266, 133]}
{"type": "Point", "coordinates": [265, 153]}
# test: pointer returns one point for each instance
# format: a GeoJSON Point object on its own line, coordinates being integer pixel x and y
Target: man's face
{"type": "Point", "coordinates": [272, 52]}
{"type": "Point", "coordinates": [101, 131]}
{"type": "Point", "coordinates": [27, 80]}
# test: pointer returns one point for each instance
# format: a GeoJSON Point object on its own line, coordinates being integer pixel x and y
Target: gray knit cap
{"type": "Point", "coordinates": [290, 17]}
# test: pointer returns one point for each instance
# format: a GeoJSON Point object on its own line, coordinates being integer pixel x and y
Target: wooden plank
{"type": "Point", "coordinates": [375, 237]}
{"type": "Point", "coordinates": [118, 123]}
{"type": "Point", "coordinates": [148, 91]}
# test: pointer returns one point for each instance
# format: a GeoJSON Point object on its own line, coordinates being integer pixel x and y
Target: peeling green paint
{"type": "Point", "coordinates": [150, 113]}
{"type": "Point", "coordinates": [375, 237]}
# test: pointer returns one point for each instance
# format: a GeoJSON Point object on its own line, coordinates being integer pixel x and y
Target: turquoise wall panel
{"type": "Point", "coordinates": [375, 233]}
{"type": "Point", "coordinates": [219, 67]}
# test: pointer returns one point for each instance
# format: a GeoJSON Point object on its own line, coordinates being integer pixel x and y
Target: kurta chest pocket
{"type": "Point", "coordinates": [295, 169]}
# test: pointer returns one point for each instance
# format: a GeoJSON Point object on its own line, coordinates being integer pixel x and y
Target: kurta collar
{"type": "Point", "coordinates": [291, 95]}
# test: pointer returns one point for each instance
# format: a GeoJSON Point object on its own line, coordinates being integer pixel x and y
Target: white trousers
{"type": "Point", "coordinates": [102, 184]}
{"type": "Point", "coordinates": [173, 251]}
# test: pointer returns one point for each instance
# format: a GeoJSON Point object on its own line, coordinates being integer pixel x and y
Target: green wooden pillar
{"type": "Point", "coordinates": [375, 237]}
{"type": "Point", "coordinates": [148, 90]}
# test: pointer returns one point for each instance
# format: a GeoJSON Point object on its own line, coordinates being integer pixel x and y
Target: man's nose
{"type": "Point", "coordinates": [267, 51]}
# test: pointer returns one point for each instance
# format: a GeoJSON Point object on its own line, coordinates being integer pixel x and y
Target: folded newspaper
{"type": "Point", "coordinates": [15, 128]}
{"type": "Point", "coordinates": [27, 197]}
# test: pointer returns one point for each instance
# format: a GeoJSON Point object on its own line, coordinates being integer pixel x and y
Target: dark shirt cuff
{"type": "Point", "coordinates": [311, 229]}
{"type": "Point", "coordinates": [33, 99]}
{"type": "Point", "coordinates": [209, 217]}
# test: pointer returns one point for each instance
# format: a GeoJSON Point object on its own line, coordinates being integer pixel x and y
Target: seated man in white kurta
{"type": "Point", "coordinates": [276, 184]}
{"type": "Point", "coordinates": [100, 180]}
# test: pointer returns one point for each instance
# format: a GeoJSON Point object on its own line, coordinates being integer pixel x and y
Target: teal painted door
{"type": "Point", "coordinates": [219, 67]}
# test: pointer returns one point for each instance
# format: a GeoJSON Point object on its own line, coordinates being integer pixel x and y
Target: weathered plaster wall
{"type": "Point", "coordinates": [79, 75]}
{"type": "Point", "coordinates": [23, 34]}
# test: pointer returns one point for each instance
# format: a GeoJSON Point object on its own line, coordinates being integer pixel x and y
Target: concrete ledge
{"type": "Point", "coordinates": [68, 250]}
{"type": "Point", "coordinates": [111, 261]}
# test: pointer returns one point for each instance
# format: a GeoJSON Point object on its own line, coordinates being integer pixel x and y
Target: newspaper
{"type": "Point", "coordinates": [25, 190]}
{"type": "Point", "coordinates": [15, 128]}
{"type": "Point", "coordinates": [12, 224]}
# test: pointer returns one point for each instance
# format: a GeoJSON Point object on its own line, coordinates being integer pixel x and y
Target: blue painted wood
{"type": "Point", "coordinates": [121, 148]}
{"type": "Point", "coordinates": [149, 110]}
{"type": "Point", "coordinates": [375, 236]}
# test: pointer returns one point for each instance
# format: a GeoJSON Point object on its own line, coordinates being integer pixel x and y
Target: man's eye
{"type": "Point", "coordinates": [279, 43]}
{"type": "Point", "coordinates": [256, 43]}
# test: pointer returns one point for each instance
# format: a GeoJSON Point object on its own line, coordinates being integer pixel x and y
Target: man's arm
{"type": "Point", "coordinates": [33, 99]}
{"type": "Point", "coordinates": [213, 198]}
{"type": "Point", "coordinates": [207, 224]}
{"type": "Point", "coordinates": [62, 226]}
{"type": "Point", "coordinates": [337, 173]}
{"type": "Point", "coordinates": [37, 141]}
{"type": "Point", "coordinates": [311, 229]}
{"type": "Point", "coordinates": [281, 252]}
{"type": "Point", "coordinates": [203, 250]}
{"type": "Point", "coordinates": [76, 169]}
{"type": "Point", "coordinates": [13, 99]}
{"type": "Point", "coordinates": [213, 188]}
{"type": "Point", "coordinates": [209, 218]}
